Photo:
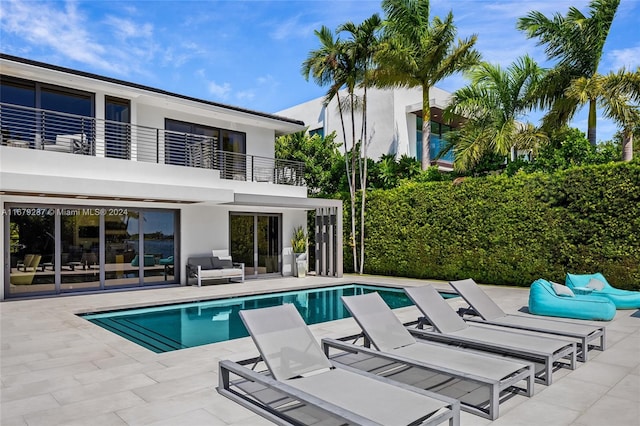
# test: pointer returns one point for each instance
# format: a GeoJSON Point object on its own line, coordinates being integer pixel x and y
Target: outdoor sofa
{"type": "Point", "coordinates": [302, 386]}
{"type": "Point", "coordinates": [203, 268]}
{"type": "Point", "coordinates": [597, 285]}
{"type": "Point", "coordinates": [490, 313]}
{"type": "Point", "coordinates": [556, 300]}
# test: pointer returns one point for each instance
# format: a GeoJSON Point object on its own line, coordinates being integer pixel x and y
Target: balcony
{"type": "Point", "coordinates": [32, 128]}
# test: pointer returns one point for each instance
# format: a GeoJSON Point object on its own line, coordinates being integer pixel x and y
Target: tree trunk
{"type": "Point", "coordinates": [627, 145]}
{"type": "Point", "coordinates": [351, 184]}
{"type": "Point", "coordinates": [354, 184]}
{"type": "Point", "coordinates": [363, 176]}
{"type": "Point", "coordinates": [426, 128]}
{"type": "Point", "coordinates": [591, 132]}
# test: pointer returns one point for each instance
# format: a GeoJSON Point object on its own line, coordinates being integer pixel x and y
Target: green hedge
{"type": "Point", "coordinates": [509, 230]}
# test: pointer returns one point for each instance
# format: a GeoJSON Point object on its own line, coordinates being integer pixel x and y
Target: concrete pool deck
{"type": "Point", "coordinates": [59, 369]}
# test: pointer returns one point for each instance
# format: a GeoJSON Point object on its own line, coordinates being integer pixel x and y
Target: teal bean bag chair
{"type": "Point", "coordinates": [556, 300]}
{"type": "Point", "coordinates": [598, 286]}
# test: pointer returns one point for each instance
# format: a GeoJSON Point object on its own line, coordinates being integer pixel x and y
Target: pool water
{"type": "Point", "coordinates": [178, 326]}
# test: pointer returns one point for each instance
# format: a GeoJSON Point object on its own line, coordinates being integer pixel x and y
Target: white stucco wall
{"type": "Point", "coordinates": [391, 119]}
{"type": "Point", "coordinates": [206, 228]}
{"type": "Point", "coordinates": [37, 177]}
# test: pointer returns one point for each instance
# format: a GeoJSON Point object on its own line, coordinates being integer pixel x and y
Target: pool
{"type": "Point", "coordinates": [185, 325]}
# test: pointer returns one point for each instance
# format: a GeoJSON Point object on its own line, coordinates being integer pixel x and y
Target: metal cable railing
{"type": "Point", "coordinates": [33, 128]}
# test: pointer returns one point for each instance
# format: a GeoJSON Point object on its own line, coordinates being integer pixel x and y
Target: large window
{"type": "Point", "coordinates": [79, 260]}
{"type": "Point", "coordinates": [31, 249]}
{"type": "Point", "coordinates": [195, 145]}
{"type": "Point", "coordinates": [18, 124]}
{"type": "Point", "coordinates": [437, 141]}
{"type": "Point", "coordinates": [66, 121]}
{"type": "Point", "coordinates": [117, 128]}
{"type": "Point", "coordinates": [122, 247]}
{"type": "Point", "coordinates": [158, 241]}
{"type": "Point", "coordinates": [189, 144]}
{"type": "Point", "coordinates": [233, 161]}
{"type": "Point", "coordinates": [56, 249]}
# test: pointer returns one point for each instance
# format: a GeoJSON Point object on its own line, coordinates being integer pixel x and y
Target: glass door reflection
{"type": "Point", "coordinates": [241, 230]}
{"type": "Point", "coordinates": [31, 250]}
{"type": "Point", "coordinates": [255, 241]}
{"type": "Point", "coordinates": [159, 248]}
{"type": "Point", "coordinates": [268, 244]}
{"type": "Point", "coordinates": [122, 249]}
{"type": "Point", "coordinates": [80, 249]}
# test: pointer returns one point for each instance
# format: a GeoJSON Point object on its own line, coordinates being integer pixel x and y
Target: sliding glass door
{"type": "Point", "coordinates": [31, 250]}
{"type": "Point", "coordinates": [60, 249]}
{"type": "Point", "coordinates": [117, 130]}
{"type": "Point", "coordinates": [256, 241]}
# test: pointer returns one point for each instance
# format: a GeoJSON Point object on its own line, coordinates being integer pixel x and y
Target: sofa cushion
{"type": "Point", "coordinates": [221, 263]}
{"type": "Point", "coordinates": [226, 263]}
{"type": "Point", "coordinates": [204, 262]}
{"type": "Point", "coordinates": [595, 284]}
{"type": "Point", "coordinates": [221, 273]}
{"type": "Point", "coordinates": [562, 290]}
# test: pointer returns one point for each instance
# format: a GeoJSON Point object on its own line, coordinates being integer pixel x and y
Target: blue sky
{"type": "Point", "coordinates": [249, 53]}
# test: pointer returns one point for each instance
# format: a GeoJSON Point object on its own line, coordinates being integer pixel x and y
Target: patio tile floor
{"type": "Point", "coordinates": [58, 369]}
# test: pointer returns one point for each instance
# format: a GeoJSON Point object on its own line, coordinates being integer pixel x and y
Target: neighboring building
{"type": "Point", "coordinates": [106, 184]}
{"type": "Point", "coordinates": [394, 122]}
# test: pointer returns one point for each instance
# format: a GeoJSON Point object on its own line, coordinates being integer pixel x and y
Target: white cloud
{"type": "Point", "coordinates": [62, 30]}
{"type": "Point", "coordinates": [628, 58]}
{"type": "Point", "coordinates": [246, 95]}
{"type": "Point", "coordinates": [518, 9]}
{"type": "Point", "coordinates": [126, 29]}
{"type": "Point", "coordinates": [267, 80]}
{"type": "Point", "coordinates": [220, 91]}
{"type": "Point", "coordinates": [293, 28]}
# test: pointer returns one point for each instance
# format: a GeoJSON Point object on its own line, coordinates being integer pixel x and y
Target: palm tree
{"type": "Point", "coordinates": [362, 46]}
{"type": "Point", "coordinates": [619, 96]}
{"type": "Point", "coordinates": [417, 52]}
{"type": "Point", "coordinates": [345, 65]}
{"type": "Point", "coordinates": [576, 42]}
{"type": "Point", "coordinates": [626, 85]}
{"type": "Point", "coordinates": [330, 65]}
{"type": "Point", "coordinates": [493, 103]}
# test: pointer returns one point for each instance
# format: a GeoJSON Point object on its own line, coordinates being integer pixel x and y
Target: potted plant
{"type": "Point", "coordinates": [299, 248]}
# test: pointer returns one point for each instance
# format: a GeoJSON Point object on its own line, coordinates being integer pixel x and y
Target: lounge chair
{"type": "Point", "coordinates": [491, 313]}
{"type": "Point", "coordinates": [556, 300]}
{"type": "Point", "coordinates": [477, 380]}
{"type": "Point", "coordinates": [30, 262]}
{"type": "Point", "coordinates": [304, 387]}
{"type": "Point", "coordinates": [74, 144]}
{"type": "Point", "coordinates": [451, 329]}
{"type": "Point", "coordinates": [597, 285]}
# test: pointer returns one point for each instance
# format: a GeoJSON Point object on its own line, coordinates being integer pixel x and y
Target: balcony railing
{"type": "Point", "coordinates": [73, 134]}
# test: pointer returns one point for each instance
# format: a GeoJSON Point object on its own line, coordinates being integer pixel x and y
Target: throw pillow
{"type": "Point", "coordinates": [204, 262]}
{"type": "Point", "coordinates": [595, 284]}
{"type": "Point", "coordinates": [216, 262]}
{"type": "Point", "coordinates": [562, 290]}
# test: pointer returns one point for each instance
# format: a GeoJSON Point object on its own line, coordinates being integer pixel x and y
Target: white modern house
{"type": "Point", "coordinates": [394, 122]}
{"type": "Point", "coordinates": [107, 184]}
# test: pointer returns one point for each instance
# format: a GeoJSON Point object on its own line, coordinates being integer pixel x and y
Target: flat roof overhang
{"type": "Point", "coordinates": [437, 112]}
{"type": "Point", "coordinates": [284, 202]}
{"type": "Point", "coordinates": [95, 189]}
{"type": "Point", "coordinates": [61, 76]}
